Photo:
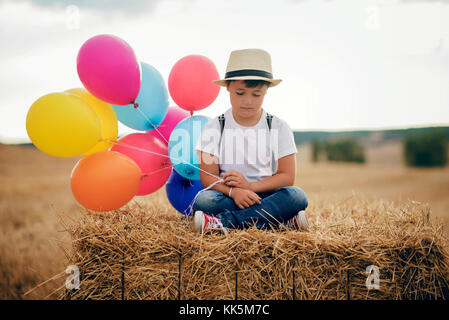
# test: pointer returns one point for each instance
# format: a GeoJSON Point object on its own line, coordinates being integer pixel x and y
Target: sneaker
{"type": "Point", "coordinates": [298, 222]}
{"type": "Point", "coordinates": [204, 223]}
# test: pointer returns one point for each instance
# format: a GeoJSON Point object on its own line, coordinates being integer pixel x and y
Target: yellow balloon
{"type": "Point", "coordinates": [62, 125]}
{"type": "Point", "coordinates": [106, 114]}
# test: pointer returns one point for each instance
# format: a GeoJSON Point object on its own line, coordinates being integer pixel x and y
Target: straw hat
{"type": "Point", "coordinates": [249, 64]}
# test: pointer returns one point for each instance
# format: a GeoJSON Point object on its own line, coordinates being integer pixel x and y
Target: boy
{"type": "Point", "coordinates": [253, 152]}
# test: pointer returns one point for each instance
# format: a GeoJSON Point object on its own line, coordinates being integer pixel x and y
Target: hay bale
{"type": "Point", "coordinates": [137, 254]}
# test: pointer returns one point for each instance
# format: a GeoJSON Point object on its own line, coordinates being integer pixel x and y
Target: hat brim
{"type": "Point", "coordinates": [273, 83]}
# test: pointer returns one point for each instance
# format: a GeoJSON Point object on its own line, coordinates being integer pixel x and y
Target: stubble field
{"type": "Point", "coordinates": [35, 194]}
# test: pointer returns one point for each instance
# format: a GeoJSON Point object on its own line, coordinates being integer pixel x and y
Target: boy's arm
{"type": "Point", "coordinates": [209, 163]}
{"type": "Point", "coordinates": [285, 176]}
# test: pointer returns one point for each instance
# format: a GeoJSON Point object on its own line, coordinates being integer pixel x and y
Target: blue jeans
{"type": "Point", "coordinates": [276, 207]}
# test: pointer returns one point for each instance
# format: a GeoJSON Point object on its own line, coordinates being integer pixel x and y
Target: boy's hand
{"type": "Point", "coordinates": [235, 179]}
{"type": "Point", "coordinates": [244, 198]}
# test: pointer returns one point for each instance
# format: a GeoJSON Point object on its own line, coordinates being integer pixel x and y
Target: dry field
{"type": "Point", "coordinates": [35, 192]}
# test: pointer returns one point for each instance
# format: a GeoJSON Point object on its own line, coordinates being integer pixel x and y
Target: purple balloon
{"type": "Point", "coordinates": [108, 68]}
{"type": "Point", "coordinates": [174, 116]}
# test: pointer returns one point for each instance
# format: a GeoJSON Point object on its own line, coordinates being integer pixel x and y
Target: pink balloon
{"type": "Point", "coordinates": [190, 82]}
{"type": "Point", "coordinates": [173, 117]}
{"type": "Point", "coordinates": [108, 68]}
{"type": "Point", "coordinates": [151, 155]}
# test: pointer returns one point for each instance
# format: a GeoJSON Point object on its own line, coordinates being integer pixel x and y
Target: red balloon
{"type": "Point", "coordinates": [173, 117]}
{"type": "Point", "coordinates": [190, 82]}
{"type": "Point", "coordinates": [151, 155]}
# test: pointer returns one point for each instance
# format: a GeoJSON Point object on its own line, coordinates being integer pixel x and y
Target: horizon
{"type": "Point", "coordinates": [374, 130]}
{"type": "Point", "coordinates": [424, 126]}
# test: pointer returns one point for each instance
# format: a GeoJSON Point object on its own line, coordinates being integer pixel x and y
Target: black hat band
{"type": "Point", "coordinates": [248, 72]}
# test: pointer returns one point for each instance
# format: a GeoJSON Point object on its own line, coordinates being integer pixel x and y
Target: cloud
{"type": "Point", "coordinates": [299, 1]}
{"type": "Point", "coordinates": [424, 1]}
{"type": "Point", "coordinates": [116, 6]}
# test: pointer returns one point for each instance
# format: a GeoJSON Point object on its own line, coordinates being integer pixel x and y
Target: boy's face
{"type": "Point", "coordinates": [246, 101]}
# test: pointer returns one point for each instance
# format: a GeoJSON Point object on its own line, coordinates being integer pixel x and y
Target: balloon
{"type": "Point", "coordinates": [173, 117]}
{"type": "Point", "coordinates": [152, 102]}
{"type": "Point", "coordinates": [181, 146]}
{"type": "Point", "coordinates": [154, 164]}
{"type": "Point", "coordinates": [181, 192]}
{"type": "Point", "coordinates": [108, 120]}
{"type": "Point", "coordinates": [108, 68]}
{"type": "Point", "coordinates": [104, 181]}
{"type": "Point", "coordinates": [190, 82]}
{"type": "Point", "coordinates": [62, 125]}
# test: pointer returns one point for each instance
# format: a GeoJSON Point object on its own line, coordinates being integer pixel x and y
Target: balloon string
{"type": "Point", "coordinates": [145, 175]}
{"type": "Point", "coordinates": [151, 124]}
{"type": "Point", "coordinates": [190, 207]}
{"type": "Point", "coordinates": [162, 155]}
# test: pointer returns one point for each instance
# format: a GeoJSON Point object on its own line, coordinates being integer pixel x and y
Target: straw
{"type": "Point", "coordinates": [135, 252]}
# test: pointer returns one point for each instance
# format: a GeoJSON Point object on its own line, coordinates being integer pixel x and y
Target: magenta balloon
{"type": "Point", "coordinates": [108, 68]}
{"type": "Point", "coordinates": [190, 82]}
{"type": "Point", "coordinates": [174, 116]}
{"type": "Point", "coordinates": [151, 155]}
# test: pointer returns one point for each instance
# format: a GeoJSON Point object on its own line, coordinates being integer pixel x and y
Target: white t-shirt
{"type": "Point", "coordinates": [247, 149]}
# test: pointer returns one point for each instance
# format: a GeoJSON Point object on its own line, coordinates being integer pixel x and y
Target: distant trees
{"type": "Point", "coordinates": [318, 149]}
{"type": "Point", "coordinates": [343, 150]}
{"type": "Point", "coordinates": [426, 150]}
{"type": "Point", "coordinates": [422, 147]}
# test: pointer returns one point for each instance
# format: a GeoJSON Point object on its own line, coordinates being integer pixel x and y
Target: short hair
{"type": "Point", "coordinates": [252, 83]}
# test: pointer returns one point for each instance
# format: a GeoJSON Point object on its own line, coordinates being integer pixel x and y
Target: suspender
{"type": "Point", "coordinates": [269, 118]}
{"type": "Point", "coordinates": [221, 118]}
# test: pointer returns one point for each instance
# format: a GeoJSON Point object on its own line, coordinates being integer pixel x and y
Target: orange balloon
{"type": "Point", "coordinates": [106, 180]}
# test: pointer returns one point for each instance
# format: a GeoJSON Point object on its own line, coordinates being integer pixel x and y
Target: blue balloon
{"type": "Point", "coordinates": [152, 102]}
{"type": "Point", "coordinates": [181, 146]}
{"type": "Point", "coordinates": [181, 192]}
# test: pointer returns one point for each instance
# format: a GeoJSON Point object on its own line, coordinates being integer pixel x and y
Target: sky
{"type": "Point", "coordinates": [345, 64]}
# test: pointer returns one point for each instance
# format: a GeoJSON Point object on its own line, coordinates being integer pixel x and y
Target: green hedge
{"type": "Point", "coordinates": [426, 150]}
{"type": "Point", "coordinates": [343, 150]}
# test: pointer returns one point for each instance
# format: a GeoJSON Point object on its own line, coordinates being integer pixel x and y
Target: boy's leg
{"type": "Point", "coordinates": [212, 202]}
{"type": "Point", "coordinates": [280, 206]}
